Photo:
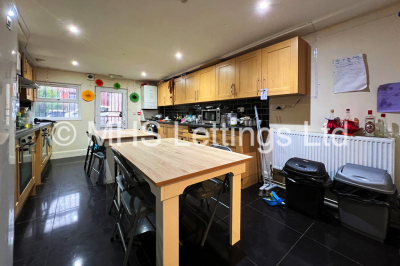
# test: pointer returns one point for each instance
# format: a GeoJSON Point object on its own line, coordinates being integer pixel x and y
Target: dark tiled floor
{"type": "Point", "coordinates": [67, 223]}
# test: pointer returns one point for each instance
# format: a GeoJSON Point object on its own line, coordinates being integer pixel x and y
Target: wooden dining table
{"type": "Point", "coordinates": [116, 136]}
{"type": "Point", "coordinates": [171, 165]}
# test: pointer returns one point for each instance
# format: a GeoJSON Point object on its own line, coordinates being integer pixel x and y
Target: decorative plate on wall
{"type": "Point", "coordinates": [88, 95]}
{"type": "Point", "coordinates": [99, 82]}
{"type": "Point", "coordinates": [134, 97]}
{"type": "Point", "coordinates": [117, 86]}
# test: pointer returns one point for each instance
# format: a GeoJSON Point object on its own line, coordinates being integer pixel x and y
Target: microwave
{"type": "Point", "coordinates": [211, 116]}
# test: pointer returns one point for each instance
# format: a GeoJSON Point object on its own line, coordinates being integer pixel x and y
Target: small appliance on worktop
{"type": "Point", "coordinates": [211, 116]}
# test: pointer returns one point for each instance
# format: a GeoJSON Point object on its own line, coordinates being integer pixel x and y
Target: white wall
{"type": "Point", "coordinates": [78, 147]}
{"type": "Point", "coordinates": [377, 36]}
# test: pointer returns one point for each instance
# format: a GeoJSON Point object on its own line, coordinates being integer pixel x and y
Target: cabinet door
{"type": "Point", "coordinates": [179, 94]}
{"type": "Point", "coordinates": [248, 75]}
{"type": "Point", "coordinates": [189, 83]}
{"type": "Point", "coordinates": [206, 84]}
{"type": "Point", "coordinates": [170, 132]}
{"type": "Point", "coordinates": [161, 131]}
{"type": "Point", "coordinates": [225, 80]}
{"type": "Point", "coordinates": [169, 97]}
{"type": "Point", "coordinates": [284, 67]}
{"type": "Point", "coordinates": [161, 94]}
{"type": "Point", "coordinates": [35, 95]}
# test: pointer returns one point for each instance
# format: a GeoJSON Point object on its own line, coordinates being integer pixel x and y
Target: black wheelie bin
{"type": "Point", "coordinates": [306, 182]}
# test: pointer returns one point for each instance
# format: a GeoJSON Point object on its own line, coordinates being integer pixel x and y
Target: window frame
{"type": "Point", "coordinates": [78, 100]}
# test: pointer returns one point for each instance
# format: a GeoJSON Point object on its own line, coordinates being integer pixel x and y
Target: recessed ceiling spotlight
{"type": "Point", "coordinates": [263, 5]}
{"type": "Point", "coordinates": [178, 55]}
{"type": "Point", "coordinates": [11, 13]}
{"type": "Point", "coordinates": [13, 52]}
{"type": "Point", "coordinates": [75, 63]}
{"type": "Point", "coordinates": [144, 74]}
{"type": "Point", "coordinates": [73, 29]}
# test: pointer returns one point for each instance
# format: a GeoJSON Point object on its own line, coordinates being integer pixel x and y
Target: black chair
{"type": "Point", "coordinates": [137, 202]}
{"type": "Point", "coordinates": [206, 190]}
{"type": "Point", "coordinates": [99, 153]}
{"type": "Point", "coordinates": [120, 183]}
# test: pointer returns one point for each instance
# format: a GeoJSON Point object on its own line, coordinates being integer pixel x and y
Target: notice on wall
{"type": "Point", "coordinates": [349, 74]}
{"type": "Point", "coordinates": [389, 98]}
{"type": "Point", "coordinates": [264, 94]}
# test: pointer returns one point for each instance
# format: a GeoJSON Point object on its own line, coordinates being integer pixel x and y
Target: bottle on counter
{"type": "Point", "coordinates": [333, 122]}
{"type": "Point", "coordinates": [383, 127]}
{"type": "Point", "coordinates": [348, 116]}
{"type": "Point", "coordinates": [349, 126]}
{"type": "Point", "coordinates": [370, 125]}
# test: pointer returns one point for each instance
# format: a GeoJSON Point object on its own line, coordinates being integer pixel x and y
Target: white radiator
{"type": "Point", "coordinates": [367, 151]}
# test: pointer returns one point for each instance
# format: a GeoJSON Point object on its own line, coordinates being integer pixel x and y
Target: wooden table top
{"type": "Point", "coordinates": [123, 134]}
{"type": "Point", "coordinates": [167, 163]}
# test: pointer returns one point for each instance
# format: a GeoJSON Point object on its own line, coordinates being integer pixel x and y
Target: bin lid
{"type": "Point", "coordinates": [369, 178]}
{"type": "Point", "coordinates": [306, 169]}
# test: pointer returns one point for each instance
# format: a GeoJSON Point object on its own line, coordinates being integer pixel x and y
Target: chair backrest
{"type": "Point", "coordinates": [132, 178]}
{"type": "Point", "coordinates": [97, 140]}
{"type": "Point", "coordinates": [220, 147]}
{"type": "Point", "coordinates": [89, 135]}
{"type": "Point", "coordinates": [142, 190]}
{"type": "Point", "coordinates": [217, 146]}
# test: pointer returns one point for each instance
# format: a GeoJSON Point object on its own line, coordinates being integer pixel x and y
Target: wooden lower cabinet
{"type": "Point", "coordinates": [20, 197]}
{"type": "Point", "coordinates": [166, 131]}
{"type": "Point", "coordinates": [237, 141]}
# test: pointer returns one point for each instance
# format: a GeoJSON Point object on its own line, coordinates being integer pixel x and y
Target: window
{"type": "Point", "coordinates": [60, 101]}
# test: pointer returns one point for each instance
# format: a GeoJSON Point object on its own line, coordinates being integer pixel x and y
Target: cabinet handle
{"type": "Point", "coordinates": [232, 88]}
{"type": "Point", "coordinates": [195, 95]}
{"type": "Point", "coordinates": [258, 81]}
{"type": "Point", "coordinates": [263, 84]}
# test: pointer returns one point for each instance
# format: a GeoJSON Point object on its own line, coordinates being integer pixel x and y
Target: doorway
{"type": "Point", "coordinates": [110, 108]}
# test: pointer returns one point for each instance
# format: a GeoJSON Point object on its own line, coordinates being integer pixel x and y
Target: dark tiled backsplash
{"type": "Point", "coordinates": [232, 105]}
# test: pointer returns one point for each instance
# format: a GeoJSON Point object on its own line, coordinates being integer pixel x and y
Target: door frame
{"type": "Point", "coordinates": [124, 120]}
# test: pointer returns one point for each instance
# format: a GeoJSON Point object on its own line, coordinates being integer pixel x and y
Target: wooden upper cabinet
{"type": "Point", "coordinates": [205, 84]}
{"type": "Point", "coordinates": [248, 75]}
{"type": "Point", "coordinates": [189, 84]}
{"type": "Point", "coordinates": [161, 94]}
{"type": "Point", "coordinates": [179, 93]}
{"type": "Point", "coordinates": [225, 80]}
{"type": "Point", "coordinates": [169, 97]}
{"type": "Point", "coordinates": [284, 67]}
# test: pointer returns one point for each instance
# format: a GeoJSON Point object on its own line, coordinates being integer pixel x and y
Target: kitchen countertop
{"type": "Point", "coordinates": [23, 132]}
{"type": "Point", "coordinates": [207, 125]}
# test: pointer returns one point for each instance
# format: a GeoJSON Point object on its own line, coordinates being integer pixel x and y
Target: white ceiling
{"type": "Point", "coordinates": [128, 37]}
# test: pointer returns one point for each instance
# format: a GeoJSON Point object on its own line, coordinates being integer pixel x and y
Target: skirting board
{"type": "Point", "coordinates": [68, 154]}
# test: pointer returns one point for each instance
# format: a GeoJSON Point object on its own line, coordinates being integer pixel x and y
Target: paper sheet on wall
{"type": "Point", "coordinates": [349, 74]}
{"type": "Point", "coordinates": [389, 98]}
{"type": "Point", "coordinates": [264, 94]}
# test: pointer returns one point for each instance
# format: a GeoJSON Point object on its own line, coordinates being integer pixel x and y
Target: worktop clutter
{"type": "Point", "coordinates": [225, 107]}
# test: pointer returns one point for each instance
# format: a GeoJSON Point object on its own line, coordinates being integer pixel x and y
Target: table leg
{"type": "Point", "coordinates": [235, 194]}
{"type": "Point", "coordinates": [167, 231]}
{"type": "Point", "coordinates": [109, 166]}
